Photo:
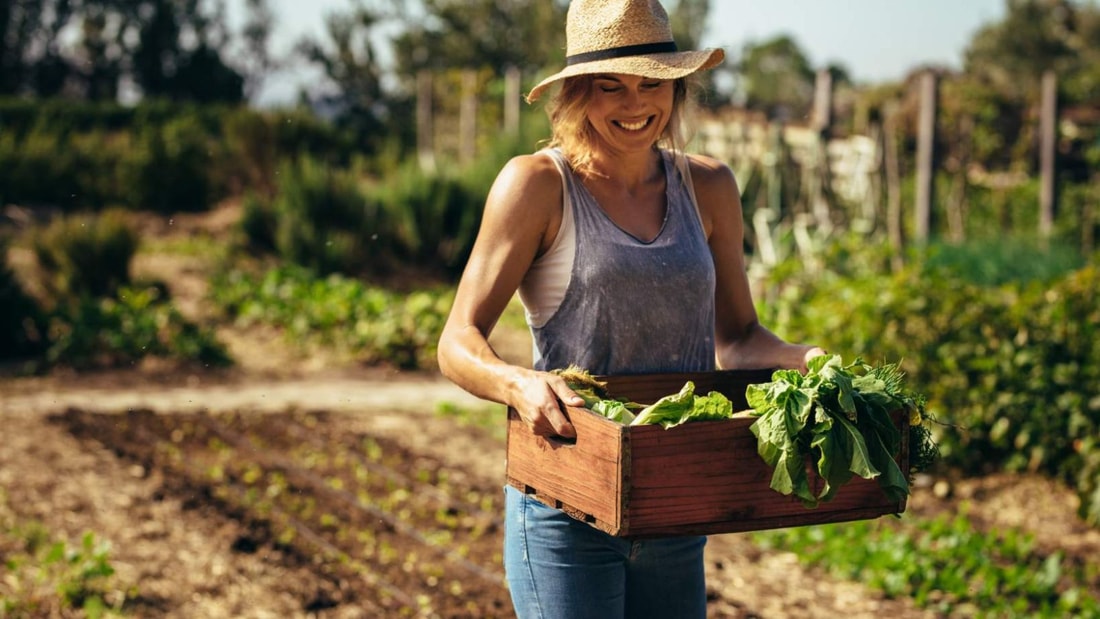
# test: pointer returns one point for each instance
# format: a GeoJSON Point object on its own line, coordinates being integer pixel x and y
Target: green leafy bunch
{"type": "Point", "coordinates": [668, 412]}
{"type": "Point", "coordinates": [838, 416]}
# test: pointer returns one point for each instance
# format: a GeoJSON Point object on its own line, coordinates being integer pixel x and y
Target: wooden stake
{"type": "Point", "coordinates": [1048, 137]}
{"type": "Point", "coordinates": [425, 142]}
{"type": "Point", "coordinates": [926, 138]}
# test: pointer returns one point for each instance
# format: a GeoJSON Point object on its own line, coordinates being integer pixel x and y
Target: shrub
{"type": "Point", "coordinates": [1011, 368]}
{"type": "Point", "coordinates": [86, 254]}
{"type": "Point", "coordinates": [170, 168]}
{"type": "Point", "coordinates": [372, 324]}
{"type": "Point", "coordinates": [121, 329]}
{"type": "Point", "coordinates": [22, 322]}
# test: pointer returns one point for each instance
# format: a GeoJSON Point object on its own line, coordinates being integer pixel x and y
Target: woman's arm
{"type": "Point", "coordinates": [741, 342]}
{"type": "Point", "coordinates": [521, 218]}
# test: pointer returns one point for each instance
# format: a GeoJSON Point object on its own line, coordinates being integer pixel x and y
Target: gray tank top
{"type": "Point", "coordinates": [633, 307]}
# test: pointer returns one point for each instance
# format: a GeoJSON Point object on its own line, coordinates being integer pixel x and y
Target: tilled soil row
{"type": "Point", "coordinates": [384, 526]}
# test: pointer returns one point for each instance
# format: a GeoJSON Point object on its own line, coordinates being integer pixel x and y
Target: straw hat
{"type": "Point", "coordinates": [624, 36]}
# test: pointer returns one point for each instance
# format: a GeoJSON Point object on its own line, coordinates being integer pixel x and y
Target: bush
{"type": "Point", "coordinates": [318, 220]}
{"type": "Point", "coordinates": [170, 168]}
{"type": "Point", "coordinates": [86, 254]}
{"type": "Point", "coordinates": [22, 322]}
{"type": "Point", "coordinates": [1011, 368]}
{"type": "Point", "coordinates": [372, 324]}
{"type": "Point", "coordinates": [124, 328]}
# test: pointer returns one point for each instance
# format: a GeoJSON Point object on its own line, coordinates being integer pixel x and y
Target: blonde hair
{"type": "Point", "coordinates": [574, 135]}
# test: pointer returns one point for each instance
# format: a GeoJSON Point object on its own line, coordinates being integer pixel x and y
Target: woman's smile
{"type": "Point", "coordinates": [637, 125]}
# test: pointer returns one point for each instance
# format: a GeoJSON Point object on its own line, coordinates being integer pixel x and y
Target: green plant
{"type": "Point", "coordinates": [946, 565]}
{"type": "Point", "coordinates": [22, 321]}
{"type": "Point", "coordinates": [43, 577]}
{"type": "Point", "coordinates": [839, 416]}
{"type": "Point", "coordinates": [85, 254]}
{"type": "Point", "coordinates": [1009, 370]}
{"type": "Point", "coordinates": [373, 324]}
{"type": "Point", "coordinates": [123, 329]}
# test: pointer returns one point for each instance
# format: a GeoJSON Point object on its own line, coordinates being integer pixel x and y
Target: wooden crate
{"type": "Point", "coordinates": [699, 478]}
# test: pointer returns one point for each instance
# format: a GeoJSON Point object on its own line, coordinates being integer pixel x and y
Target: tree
{"type": "Point", "coordinates": [354, 94]}
{"type": "Point", "coordinates": [178, 53]}
{"type": "Point", "coordinates": [167, 48]}
{"type": "Point", "coordinates": [1034, 36]}
{"type": "Point", "coordinates": [495, 34]}
{"type": "Point", "coordinates": [777, 78]}
{"type": "Point", "coordinates": [30, 54]}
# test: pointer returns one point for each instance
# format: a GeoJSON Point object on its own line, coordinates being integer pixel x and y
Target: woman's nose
{"type": "Point", "coordinates": [633, 98]}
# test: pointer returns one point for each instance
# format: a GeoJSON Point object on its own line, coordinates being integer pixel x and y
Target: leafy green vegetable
{"type": "Point", "coordinates": [614, 410]}
{"type": "Point", "coordinates": [669, 411]}
{"type": "Point", "coordinates": [840, 417]}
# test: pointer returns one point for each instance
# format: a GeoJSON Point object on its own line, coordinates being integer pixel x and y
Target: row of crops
{"type": "Point", "coordinates": [388, 527]}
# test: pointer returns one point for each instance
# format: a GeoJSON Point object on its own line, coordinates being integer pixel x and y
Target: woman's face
{"type": "Point", "coordinates": [629, 112]}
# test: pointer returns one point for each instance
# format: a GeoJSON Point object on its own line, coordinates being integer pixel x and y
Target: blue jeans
{"type": "Point", "coordinates": [558, 567]}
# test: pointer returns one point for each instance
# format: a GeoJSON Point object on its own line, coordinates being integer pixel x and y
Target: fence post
{"type": "Point", "coordinates": [511, 100]}
{"type": "Point", "coordinates": [1048, 131]}
{"type": "Point", "coordinates": [425, 146]}
{"type": "Point", "coordinates": [467, 117]}
{"type": "Point", "coordinates": [823, 101]}
{"type": "Point", "coordinates": [926, 136]}
{"type": "Point", "coordinates": [893, 181]}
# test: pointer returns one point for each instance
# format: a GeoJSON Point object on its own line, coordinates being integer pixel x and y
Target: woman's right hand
{"type": "Point", "coordinates": [541, 404]}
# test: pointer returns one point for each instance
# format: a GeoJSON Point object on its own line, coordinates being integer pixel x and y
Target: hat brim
{"type": "Point", "coordinates": [668, 66]}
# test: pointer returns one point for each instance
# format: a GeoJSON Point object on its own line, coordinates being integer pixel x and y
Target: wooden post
{"type": "Point", "coordinates": [512, 100]}
{"type": "Point", "coordinates": [425, 142]}
{"type": "Point", "coordinates": [823, 101]}
{"type": "Point", "coordinates": [893, 182]}
{"type": "Point", "coordinates": [956, 201]}
{"type": "Point", "coordinates": [926, 138]}
{"type": "Point", "coordinates": [822, 195]}
{"type": "Point", "coordinates": [1048, 135]}
{"type": "Point", "coordinates": [467, 118]}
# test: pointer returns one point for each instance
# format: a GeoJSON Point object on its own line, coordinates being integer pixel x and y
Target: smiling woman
{"type": "Point", "coordinates": [627, 255]}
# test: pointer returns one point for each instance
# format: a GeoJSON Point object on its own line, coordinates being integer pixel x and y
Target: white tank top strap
{"type": "Point", "coordinates": [544, 286]}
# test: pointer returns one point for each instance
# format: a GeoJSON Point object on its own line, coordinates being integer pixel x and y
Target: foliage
{"type": "Point", "coordinates": [996, 262]}
{"type": "Point", "coordinates": [1034, 36]}
{"type": "Point", "coordinates": [778, 78]}
{"type": "Point", "coordinates": [444, 34]}
{"type": "Point", "coordinates": [122, 329]}
{"type": "Point", "coordinates": [159, 156]}
{"type": "Point", "coordinates": [166, 48]}
{"type": "Point", "coordinates": [374, 325]}
{"type": "Point", "coordinates": [40, 576]}
{"type": "Point", "coordinates": [85, 254]}
{"type": "Point", "coordinates": [839, 416]}
{"type": "Point", "coordinates": [22, 321]}
{"type": "Point", "coordinates": [945, 565]}
{"type": "Point", "coordinates": [354, 89]}
{"type": "Point", "coordinates": [1008, 369]}
{"type": "Point", "coordinates": [318, 219]}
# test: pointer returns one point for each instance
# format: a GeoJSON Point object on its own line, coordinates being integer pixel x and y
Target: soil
{"type": "Point", "coordinates": [305, 486]}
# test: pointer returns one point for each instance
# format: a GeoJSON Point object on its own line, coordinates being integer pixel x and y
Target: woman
{"type": "Point", "coordinates": [628, 258]}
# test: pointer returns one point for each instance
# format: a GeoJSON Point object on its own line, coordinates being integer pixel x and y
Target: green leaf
{"type": "Point", "coordinates": [834, 456]}
{"type": "Point", "coordinates": [613, 410]}
{"type": "Point", "coordinates": [669, 411]}
{"type": "Point", "coordinates": [861, 463]}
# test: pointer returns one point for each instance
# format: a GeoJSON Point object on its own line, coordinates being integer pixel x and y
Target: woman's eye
{"type": "Point", "coordinates": [652, 85]}
{"type": "Point", "coordinates": [609, 88]}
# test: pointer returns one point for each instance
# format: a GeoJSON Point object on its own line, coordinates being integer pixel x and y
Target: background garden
{"type": "Point", "coordinates": [354, 210]}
